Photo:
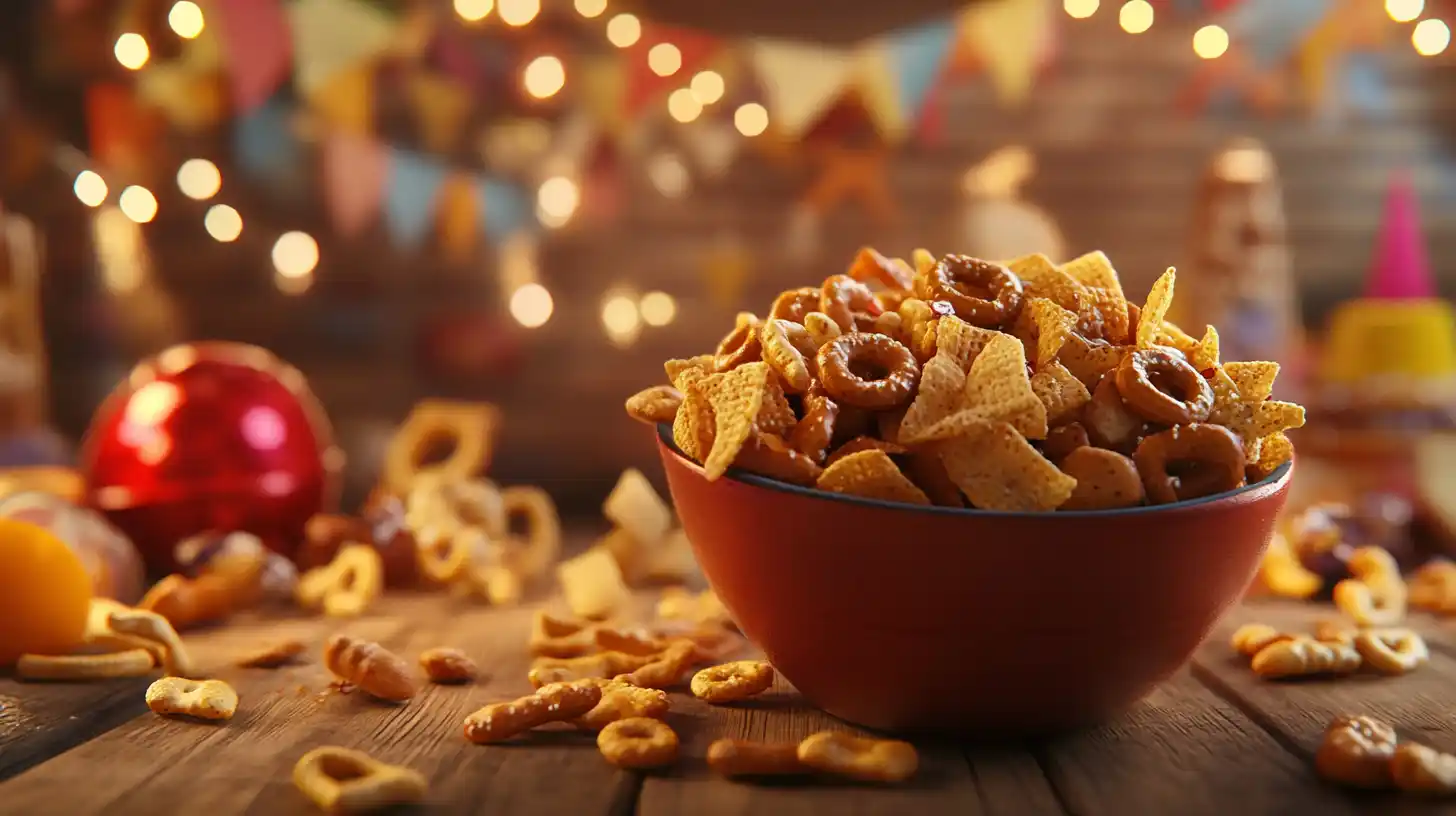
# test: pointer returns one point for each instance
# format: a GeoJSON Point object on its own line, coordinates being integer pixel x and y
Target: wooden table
{"type": "Point", "coordinates": [1214, 740]}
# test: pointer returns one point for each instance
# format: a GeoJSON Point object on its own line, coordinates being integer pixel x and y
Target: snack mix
{"type": "Point", "coordinates": [1023, 386]}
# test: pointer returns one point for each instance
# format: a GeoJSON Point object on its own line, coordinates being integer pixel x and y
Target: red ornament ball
{"type": "Point", "coordinates": [210, 437]}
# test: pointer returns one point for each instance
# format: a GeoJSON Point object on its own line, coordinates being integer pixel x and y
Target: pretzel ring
{"type": "Point", "coordinates": [443, 557]}
{"type": "Point", "coordinates": [949, 281]}
{"type": "Point", "coordinates": [341, 780]}
{"type": "Point", "coordinates": [543, 523]}
{"type": "Point", "coordinates": [794, 304]}
{"type": "Point", "coordinates": [740, 346]}
{"type": "Point", "coordinates": [868, 371]}
{"type": "Point", "coordinates": [638, 742]}
{"type": "Point", "coordinates": [469, 426]}
{"type": "Point", "coordinates": [843, 298]}
{"type": "Point", "coordinates": [789, 351]}
{"type": "Point", "coordinates": [1189, 461]}
{"type": "Point", "coordinates": [1161, 386]}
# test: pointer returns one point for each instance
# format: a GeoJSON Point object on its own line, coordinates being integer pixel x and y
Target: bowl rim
{"type": "Point", "coordinates": [1269, 485]}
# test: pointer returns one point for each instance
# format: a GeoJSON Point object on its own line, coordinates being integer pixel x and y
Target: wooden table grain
{"type": "Point", "coordinates": [1213, 740]}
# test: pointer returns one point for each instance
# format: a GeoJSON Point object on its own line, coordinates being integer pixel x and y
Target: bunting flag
{"type": "Point", "coordinates": [330, 36]}
{"type": "Point", "coordinates": [852, 174]}
{"type": "Point", "coordinates": [916, 56]}
{"type": "Point", "coordinates": [257, 46]}
{"type": "Point", "coordinates": [346, 100]}
{"type": "Point", "coordinates": [459, 216]}
{"type": "Point", "coordinates": [264, 146]}
{"type": "Point", "coordinates": [879, 93]}
{"type": "Point", "coordinates": [800, 81]}
{"type": "Point", "coordinates": [501, 207]}
{"type": "Point", "coordinates": [355, 169]}
{"type": "Point", "coordinates": [1002, 34]}
{"type": "Point", "coordinates": [643, 85]}
{"type": "Point", "coordinates": [441, 107]}
{"type": "Point", "coordinates": [410, 196]}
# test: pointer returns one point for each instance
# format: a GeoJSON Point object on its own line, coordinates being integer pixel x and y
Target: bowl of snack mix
{"type": "Point", "coordinates": [959, 495]}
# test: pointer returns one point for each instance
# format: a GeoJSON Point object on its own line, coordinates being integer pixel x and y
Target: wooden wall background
{"type": "Point", "coordinates": [1117, 167]}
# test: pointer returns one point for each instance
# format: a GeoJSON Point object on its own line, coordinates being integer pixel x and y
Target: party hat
{"type": "Point", "coordinates": [1401, 270]}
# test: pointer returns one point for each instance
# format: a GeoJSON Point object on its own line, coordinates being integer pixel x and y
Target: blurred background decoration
{"type": "Point", "coordinates": [534, 202]}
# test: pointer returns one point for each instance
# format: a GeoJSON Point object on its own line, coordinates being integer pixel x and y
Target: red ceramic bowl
{"type": "Point", "coordinates": [905, 618]}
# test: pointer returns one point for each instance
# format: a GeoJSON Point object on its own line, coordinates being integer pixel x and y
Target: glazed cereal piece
{"type": "Point", "coordinates": [552, 703]}
{"type": "Point", "coordinates": [371, 667]}
{"type": "Point", "coordinates": [735, 758]}
{"type": "Point", "coordinates": [204, 699]}
{"type": "Point", "coordinates": [638, 743]}
{"type": "Point", "coordinates": [859, 758]}
{"type": "Point", "coordinates": [732, 682]}
{"type": "Point", "coordinates": [344, 781]}
{"type": "Point", "coordinates": [448, 666]}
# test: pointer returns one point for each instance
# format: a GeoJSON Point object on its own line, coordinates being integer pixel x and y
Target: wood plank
{"type": "Point", "coordinates": [1183, 750]}
{"type": "Point", "coordinates": [243, 766]}
{"type": "Point", "coordinates": [944, 784]}
{"type": "Point", "coordinates": [1297, 713]}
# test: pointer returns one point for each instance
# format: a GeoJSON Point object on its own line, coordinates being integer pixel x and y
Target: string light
{"type": "Point", "coordinates": [473, 11]}
{"type": "Point", "coordinates": [664, 59]}
{"type": "Point", "coordinates": [621, 319]}
{"type": "Point", "coordinates": [1430, 37]}
{"type": "Point", "coordinates": [544, 77]}
{"type": "Point", "coordinates": [90, 188]}
{"type": "Point", "coordinates": [1210, 42]}
{"type": "Point", "coordinates": [518, 12]}
{"type": "Point", "coordinates": [657, 308]}
{"type": "Point", "coordinates": [295, 254]}
{"type": "Point", "coordinates": [138, 204]}
{"type": "Point", "coordinates": [1403, 11]}
{"type": "Point", "coordinates": [683, 106]}
{"type": "Point", "coordinates": [131, 51]}
{"type": "Point", "coordinates": [1081, 9]}
{"type": "Point", "coordinates": [199, 179]}
{"type": "Point", "coordinates": [556, 201]}
{"type": "Point", "coordinates": [1135, 16]}
{"type": "Point", "coordinates": [707, 86]}
{"type": "Point", "coordinates": [751, 119]}
{"type": "Point", "coordinates": [591, 8]}
{"type": "Point", "coordinates": [624, 30]}
{"type": "Point", "coordinates": [223, 223]}
{"type": "Point", "coordinates": [186, 19]}
{"type": "Point", "coordinates": [531, 305]}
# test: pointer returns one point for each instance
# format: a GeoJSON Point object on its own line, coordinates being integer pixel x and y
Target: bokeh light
{"type": "Point", "coordinates": [751, 119]}
{"type": "Point", "coordinates": [518, 12]}
{"type": "Point", "coordinates": [199, 179]}
{"type": "Point", "coordinates": [668, 174]}
{"type": "Point", "coordinates": [707, 86]}
{"type": "Point", "coordinates": [1403, 11]}
{"type": "Point", "coordinates": [621, 319]}
{"type": "Point", "coordinates": [657, 308]}
{"type": "Point", "coordinates": [683, 106]}
{"type": "Point", "coordinates": [185, 19]}
{"type": "Point", "coordinates": [544, 77]}
{"type": "Point", "coordinates": [1430, 37]}
{"type": "Point", "coordinates": [1210, 42]}
{"type": "Point", "coordinates": [1135, 16]}
{"type": "Point", "coordinates": [223, 223]}
{"type": "Point", "coordinates": [591, 8]}
{"type": "Point", "coordinates": [531, 305]}
{"type": "Point", "coordinates": [557, 200]}
{"type": "Point", "coordinates": [472, 11]}
{"type": "Point", "coordinates": [131, 50]}
{"type": "Point", "coordinates": [295, 254]}
{"type": "Point", "coordinates": [1081, 9]}
{"type": "Point", "coordinates": [91, 188]}
{"type": "Point", "coordinates": [138, 204]}
{"type": "Point", "coordinates": [664, 59]}
{"type": "Point", "coordinates": [624, 30]}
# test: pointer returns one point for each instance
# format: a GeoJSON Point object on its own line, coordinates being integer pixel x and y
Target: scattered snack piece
{"type": "Point", "coordinates": [985, 359]}
{"type": "Point", "coordinates": [1282, 573]}
{"type": "Point", "coordinates": [347, 585]}
{"type": "Point", "coordinates": [600, 666]}
{"type": "Point", "coordinates": [551, 703]}
{"type": "Point", "coordinates": [592, 584]}
{"type": "Point", "coordinates": [155, 628]}
{"type": "Point", "coordinates": [543, 530]}
{"type": "Point", "coordinates": [373, 668]}
{"type": "Point", "coordinates": [1420, 769]}
{"type": "Point", "coordinates": [1433, 587]}
{"type": "Point", "coordinates": [1305, 657]}
{"type": "Point", "coordinates": [621, 701]}
{"type": "Point", "coordinates": [1356, 752]}
{"type": "Point", "coordinates": [628, 642]}
{"type": "Point", "coordinates": [204, 699]}
{"type": "Point", "coordinates": [1377, 595]}
{"type": "Point", "coordinates": [634, 506]}
{"type": "Point", "coordinates": [1251, 638]}
{"type": "Point", "coordinates": [1392, 651]}
{"type": "Point", "coordinates": [130, 663]}
{"type": "Point", "coordinates": [345, 781]}
{"type": "Point", "coordinates": [448, 666]}
{"type": "Point", "coordinates": [704, 607]}
{"type": "Point", "coordinates": [271, 657]}
{"type": "Point", "coordinates": [664, 672]}
{"type": "Point", "coordinates": [731, 682]}
{"type": "Point", "coordinates": [1329, 631]}
{"type": "Point", "coordinates": [100, 637]}
{"type": "Point", "coordinates": [735, 758]}
{"type": "Point", "coordinates": [471, 427]}
{"type": "Point", "coordinates": [186, 602]}
{"type": "Point", "coordinates": [859, 758]}
{"type": "Point", "coordinates": [638, 743]}
{"type": "Point", "coordinates": [555, 637]}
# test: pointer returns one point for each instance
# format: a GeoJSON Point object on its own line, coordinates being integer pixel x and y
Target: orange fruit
{"type": "Point", "coordinates": [45, 593]}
